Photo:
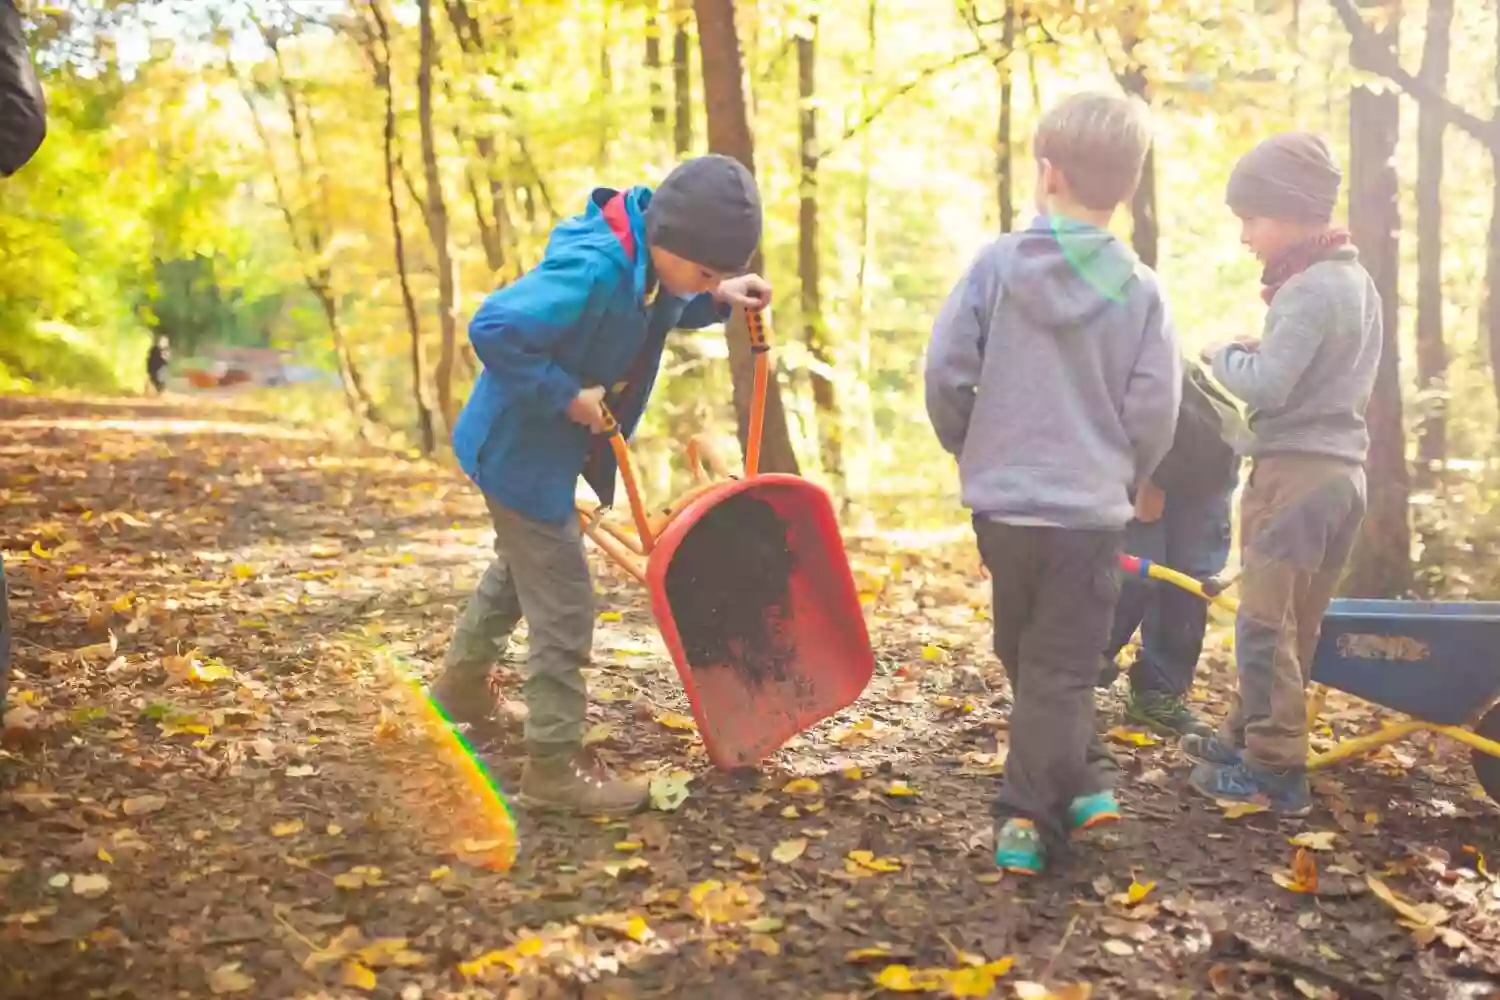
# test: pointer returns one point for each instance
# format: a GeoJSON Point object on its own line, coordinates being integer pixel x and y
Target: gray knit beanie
{"type": "Point", "coordinates": [707, 211]}
{"type": "Point", "coordinates": [1289, 176]}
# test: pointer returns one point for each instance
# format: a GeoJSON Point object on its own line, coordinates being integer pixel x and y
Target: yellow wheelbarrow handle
{"type": "Point", "coordinates": [1148, 570]}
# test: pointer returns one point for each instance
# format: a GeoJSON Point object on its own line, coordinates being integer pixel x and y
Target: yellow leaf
{"type": "Point", "coordinates": [673, 720]}
{"type": "Point", "coordinates": [229, 979]}
{"type": "Point", "coordinates": [900, 789]}
{"type": "Point", "coordinates": [977, 981]}
{"type": "Point", "coordinates": [867, 861]}
{"type": "Point", "coordinates": [243, 571]}
{"type": "Point", "coordinates": [765, 944]}
{"type": "Point", "coordinates": [789, 850]}
{"type": "Point", "coordinates": [617, 868]}
{"type": "Point", "coordinates": [627, 845]}
{"type": "Point", "coordinates": [286, 829]}
{"type": "Point", "coordinates": [1236, 810]}
{"type": "Point", "coordinates": [610, 616]}
{"type": "Point", "coordinates": [790, 812]}
{"type": "Point", "coordinates": [599, 732]}
{"type": "Point", "coordinates": [1036, 991]}
{"type": "Point", "coordinates": [143, 805]}
{"type": "Point", "coordinates": [748, 855]}
{"type": "Point", "coordinates": [933, 654]}
{"type": "Point", "coordinates": [1415, 917]}
{"type": "Point", "coordinates": [41, 553]}
{"type": "Point", "coordinates": [106, 857]}
{"type": "Point", "coordinates": [859, 955]}
{"type": "Point", "coordinates": [439, 873]}
{"type": "Point", "coordinates": [1132, 737]}
{"type": "Point", "coordinates": [802, 786]}
{"type": "Point", "coordinates": [1137, 892]}
{"type": "Point", "coordinates": [470, 845]}
{"type": "Point", "coordinates": [669, 791]}
{"type": "Point", "coordinates": [358, 976]}
{"type": "Point", "coordinates": [210, 671]}
{"type": "Point", "coordinates": [1315, 840]}
{"type": "Point", "coordinates": [853, 773]}
{"type": "Point", "coordinates": [90, 886]}
{"type": "Point", "coordinates": [904, 979]}
{"type": "Point", "coordinates": [334, 829]}
{"type": "Point", "coordinates": [123, 602]}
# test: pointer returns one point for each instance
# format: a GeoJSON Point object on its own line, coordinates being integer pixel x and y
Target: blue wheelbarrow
{"type": "Point", "coordinates": [1434, 662]}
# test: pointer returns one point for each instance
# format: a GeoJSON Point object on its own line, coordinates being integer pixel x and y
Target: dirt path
{"type": "Point", "coordinates": [219, 780]}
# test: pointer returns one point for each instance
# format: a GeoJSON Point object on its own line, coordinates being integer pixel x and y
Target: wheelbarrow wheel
{"type": "Point", "coordinates": [1486, 767]}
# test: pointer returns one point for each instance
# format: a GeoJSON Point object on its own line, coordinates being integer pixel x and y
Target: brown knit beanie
{"type": "Point", "coordinates": [1289, 176]}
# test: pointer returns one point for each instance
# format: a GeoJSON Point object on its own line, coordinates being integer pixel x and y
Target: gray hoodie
{"type": "Point", "coordinates": [1309, 381]}
{"type": "Point", "coordinates": [1054, 375]}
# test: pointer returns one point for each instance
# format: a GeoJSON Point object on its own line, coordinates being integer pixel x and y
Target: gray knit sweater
{"type": "Point", "coordinates": [1309, 381]}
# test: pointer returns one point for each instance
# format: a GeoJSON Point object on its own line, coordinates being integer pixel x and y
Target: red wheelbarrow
{"type": "Point", "coordinates": [751, 589]}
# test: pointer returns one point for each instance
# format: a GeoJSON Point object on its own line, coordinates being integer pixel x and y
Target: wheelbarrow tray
{"type": "Point", "coordinates": [1433, 660]}
{"type": "Point", "coordinates": [752, 592]}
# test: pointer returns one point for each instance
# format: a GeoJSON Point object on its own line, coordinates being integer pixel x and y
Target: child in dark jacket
{"type": "Point", "coordinates": [1307, 382]}
{"type": "Point", "coordinates": [580, 333]}
{"type": "Point", "coordinates": [1054, 376]}
{"type": "Point", "coordinates": [1182, 521]}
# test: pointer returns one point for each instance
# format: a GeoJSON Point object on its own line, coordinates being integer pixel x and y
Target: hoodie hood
{"type": "Point", "coordinates": [1064, 273]}
{"type": "Point", "coordinates": [622, 236]}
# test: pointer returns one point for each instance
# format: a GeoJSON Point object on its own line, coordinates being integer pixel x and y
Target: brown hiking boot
{"type": "Point", "coordinates": [463, 699]}
{"type": "Point", "coordinates": [559, 782]}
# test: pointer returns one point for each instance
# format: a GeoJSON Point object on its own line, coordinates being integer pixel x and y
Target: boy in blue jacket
{"type": "Point", "coordinates": [581, 332]}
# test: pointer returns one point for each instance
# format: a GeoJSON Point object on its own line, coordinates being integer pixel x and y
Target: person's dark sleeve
{"type": "Point", "coordinates": [23, 112]}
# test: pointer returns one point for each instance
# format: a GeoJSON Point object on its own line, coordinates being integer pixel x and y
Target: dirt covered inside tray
{"type": "Point", "coordinates": [728, 586]}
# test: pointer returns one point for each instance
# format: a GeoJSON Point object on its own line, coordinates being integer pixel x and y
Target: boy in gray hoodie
{"type": "Point", "coordinates": [1054, 376]}
{"type": "Point", "coordinates": [1307, 382]}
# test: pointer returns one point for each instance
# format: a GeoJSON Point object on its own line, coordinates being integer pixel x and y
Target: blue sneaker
{"type": "Point", "coordinates": [1018, 847]}
{"type": "Point", "coordinates": [1089, 811]}
{"type": "Point", "coordinates": [1210, 749]}
{"type": "Point", "coordinates": [1283, 792]}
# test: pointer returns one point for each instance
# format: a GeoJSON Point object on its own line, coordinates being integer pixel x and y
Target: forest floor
{"type": "Point", "coordinates": [218, 778]}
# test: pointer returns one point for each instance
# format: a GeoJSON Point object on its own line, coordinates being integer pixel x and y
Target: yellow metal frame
{"type": "Point", "coordinates": [1355, 746]}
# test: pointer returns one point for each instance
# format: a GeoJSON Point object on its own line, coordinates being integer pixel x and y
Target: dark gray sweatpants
{"type": "Point", "coordinates": [1054, 601]}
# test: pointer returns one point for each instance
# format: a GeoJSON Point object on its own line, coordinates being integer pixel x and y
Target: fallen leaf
{"type": "Point", "coordinates": [673, 720]}
{"type": "Point", "coordinates": [1120, 948]}
{"type": "Point", "coordinates": [144, 805]}
{"type": "Point", "coordinates": [105, 856]}
{"type": "Point", "coordinates": [286, 829]}
{"type": "Point", "coordinates": [301, 771]}
{"type": "Point", "coordinates": [790, 812]}
{"type": "Point", "coordinates": [1315, 840]}
{"type": "Point", "coordinates": [610, 616]}
{"type": "Point", "coordinates": [90, 886]}
{"type": "Point", "coordinates": [765, 925]}
{"type": "Point", "coordinates": [1416, 917]}
{"type": "Point", "coordinates": [1236, 810]}
{"type": "Point", "coordinates": [1133, 895]}
{"type": "Point", "coordinates": [933, 654]}
{"type": "Point", "coordinates": [627, 845]}
{"type": "Point", "coordinates": [359, 976]}
{"type": "Point", "coordinates": [1036, 991]}
{"type": "Point", "coordinates": [1132, 737]}
{"type": "Point", "coordinates": [860, 955]}
{"type": "Point", "coordinates": [858, 861]}
{"type": "Point", "coordinates": [748, 855]}
{"type": "Point", "coordinates": [900, 789]}
{"type": "Point", "coordinates": [615, 869]}
{"type": "Point", "coordinates": [670, 791]}
{"type": "Point", "coordinates": [904, 979]}
{"type": "Point", "coordinates": [229, 979]}
{"type": "Point", "coordinates": [802, 786]}
{"type": "Point", "coordinates": [599, 732]}
{"type": "Point", "coordinates": [633, 928]}
{"type": "Point", "coordinates": [855, 774]}
{"type": "Point", "coordinates": [358, 877]}
{"type": "Point", "coordinates": [789, 850]}
{"type": "Point", "coordinates": [1304, 874]}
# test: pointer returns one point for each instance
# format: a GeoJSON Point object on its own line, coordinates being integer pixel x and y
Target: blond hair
{"type": "Point", "coordinates": [1099, 143]}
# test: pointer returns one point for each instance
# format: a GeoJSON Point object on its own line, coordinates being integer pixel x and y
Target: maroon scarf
{"type": "Point", "coordinates": [1298, 258]}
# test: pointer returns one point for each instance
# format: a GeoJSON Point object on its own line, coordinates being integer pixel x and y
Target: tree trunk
{"type": "Point", "coordinates": [1432, 352]}
{"type": "Point", "coordinates": [1145, 233]}
{"type": "Point", "coordinates": [1492, 259]}
{"type": "Point", "coordinates": [437, 217]}
{"type": "Point", "coordinates": [653, 72]}
{"type": "Point", "coordinates": [496, 233]}
{"type": "Point", "coordinates": [682, 79]}
{"type": "Point", "coordinates": [1005, 169]}
{"type": "Point", "coordinates": [606, 98]}
{"type": "Point", "coordinates": [311, 255]}
{"type": "Point", "coordinates": [382, 66]}
{"type": "Point", "coordinates": [814, 332]}
{"type": "Point", "coordinates": [1382, 560]}
{"type": "Point", "coordinates": [861, 468]}
{"type": "Point", "coordinates": [729, 134]}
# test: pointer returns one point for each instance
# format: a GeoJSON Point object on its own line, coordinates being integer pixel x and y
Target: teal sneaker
{"type": "Point", "coordinates": [1089, 811]}
{"type": "Point", "coordinates": [1210, 749]}
{"type": "Point", "coordinates": [1018, 847]}
{"type": "Point", "coordinates": [1165, 714]}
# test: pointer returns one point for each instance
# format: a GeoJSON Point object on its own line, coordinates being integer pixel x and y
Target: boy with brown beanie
{"type": "Point", "coordinates": [579, 334]}
{"type": "Point", "coordinates": [1306, 383]}
{"type": "Point", "coordinates": [1054, 376]}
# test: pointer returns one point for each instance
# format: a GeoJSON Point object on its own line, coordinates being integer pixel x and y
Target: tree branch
{"type": "Point", "coordinates": [922, 75]}
{"type": "Point", "coordinates": [1381, 58]}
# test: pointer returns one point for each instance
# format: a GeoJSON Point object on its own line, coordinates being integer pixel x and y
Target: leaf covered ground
{"type": "Point", "coordinates": [218, 779]}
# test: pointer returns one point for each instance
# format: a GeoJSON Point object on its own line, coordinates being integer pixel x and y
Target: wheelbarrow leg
{"type": "Point", "coordinates": [1387, 734]}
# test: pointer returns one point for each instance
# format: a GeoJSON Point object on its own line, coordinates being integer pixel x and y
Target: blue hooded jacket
{"type": "Point", "coordinates": [579, 318]}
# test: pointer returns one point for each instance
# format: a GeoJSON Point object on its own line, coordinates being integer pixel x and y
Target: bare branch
{"type": "Point", "coordinates": [1381, 58]}
{"type": "Point", "coordinates": [894, 95]}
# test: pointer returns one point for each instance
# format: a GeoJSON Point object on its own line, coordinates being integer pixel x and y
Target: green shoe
{"type": "Point", "coordinates": [1164, 714]}
{"type": "Point", "coordinates": [1018, 847]}
{"type": "Point", "coordinates": [1089, 811]}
